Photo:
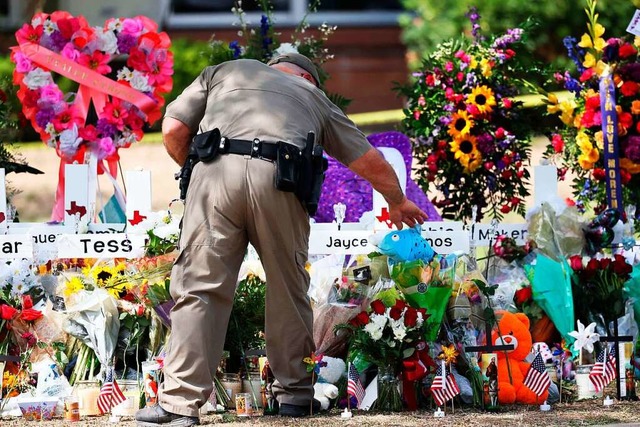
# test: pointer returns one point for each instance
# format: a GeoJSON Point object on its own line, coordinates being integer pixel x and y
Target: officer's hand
{"type": "Point", "coordinates": [406, 212]}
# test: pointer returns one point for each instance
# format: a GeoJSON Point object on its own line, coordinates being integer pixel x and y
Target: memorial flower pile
{"type": "Point", "coordinates": [470, 142]}
{"type": "Point", "coordinates": [578, 145]}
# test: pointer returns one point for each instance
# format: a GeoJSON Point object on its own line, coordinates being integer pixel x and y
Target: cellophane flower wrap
{"type": "Point", "coordinates": [470, 140]}
{"type": "Point", "coordinates": [427, 286]}
{"type": "Point", "coordinates": [577, 145]}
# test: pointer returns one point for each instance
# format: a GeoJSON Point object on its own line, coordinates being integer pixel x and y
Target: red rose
{"type": "Point", "coordinates": [575, 262]}
{"type": "Point", "coordinates": [626, 50]}
{"type": "Point", "coordinates": [523, 295]}
{"type": "Point", "coordinates": [620, 266]}
{"type": "Point", "coordinates": [410, 317]}
{"type": "Point", "coordinates": [7, 312]}
{"type": "Point", "coordinates": [604, 263]}
{"type": "Point", "coordinates": [400, 304]}
{"type": "Point", "coordinates": [395, 313]}
{"type": "Point", "coordinates": [30, 315]}
{"type": "Point", "coordinates": [27, 302]}
{"type": "Point", "coordinates": [599, 174]}
{"type": "Point", "coordinates": [378, 307]}
{"type": "Point", "coordinates": [629, 88]}
{"type": "Point", "coordinates": [360, 320]}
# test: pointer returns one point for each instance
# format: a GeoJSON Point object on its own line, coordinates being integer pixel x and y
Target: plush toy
{"type": "Point", "coordinates": [406, 245]}
{"type": "Point", "coordinates": [515, 330]}
{"type": "Point", "coordinates": [325, 390]}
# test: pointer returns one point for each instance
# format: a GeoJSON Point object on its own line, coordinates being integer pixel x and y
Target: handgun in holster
{"type": "Point", "coordinates": [314, 165]}
{"type": "Point", "coordinates": [204, 147]}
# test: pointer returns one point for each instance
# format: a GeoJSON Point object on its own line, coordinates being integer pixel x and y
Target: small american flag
{"type": "Point", "coordinates": [110, 393]}
{"type": "Point", "coordinates": [444, 386]}
{"type": "Point", "coordinates": [354, 385]}
{"type": "Point", "coordinates": [603, 373]}
{"type": "Point", "coordinates": [537, 378]}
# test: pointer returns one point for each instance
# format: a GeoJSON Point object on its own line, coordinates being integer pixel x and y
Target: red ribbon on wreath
{"type": "Point", "coordinates": [69, 46]}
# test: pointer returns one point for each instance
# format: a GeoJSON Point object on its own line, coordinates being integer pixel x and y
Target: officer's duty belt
{"type": "Point", "coordinates": [253, 148]}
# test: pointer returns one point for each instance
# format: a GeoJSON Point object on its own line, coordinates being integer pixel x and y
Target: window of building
{"type": "Point", "coordinates": [217, 13]}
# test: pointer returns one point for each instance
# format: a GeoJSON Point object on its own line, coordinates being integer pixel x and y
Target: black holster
{"type": "Point", "coordinates": [204, 148]}
{"type": "Point", "coordinates": [312, 169]}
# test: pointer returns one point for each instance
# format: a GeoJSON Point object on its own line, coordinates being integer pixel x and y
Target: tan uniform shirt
{"type": "Point", "coordinates": [247, 99]}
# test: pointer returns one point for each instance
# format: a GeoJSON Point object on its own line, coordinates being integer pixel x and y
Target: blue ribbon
{"type": "Point", "coordinates": [610, 139]}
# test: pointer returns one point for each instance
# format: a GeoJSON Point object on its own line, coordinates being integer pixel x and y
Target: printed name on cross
{"type": "Point", "coordinates": [346, 243]}
{"type": "Point", "coordinates": [110, 245]}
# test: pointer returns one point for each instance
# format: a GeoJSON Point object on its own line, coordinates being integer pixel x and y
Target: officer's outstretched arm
{"type": "Point", "coordinates": [176, 138]}
{"type": "Point", "coordinates": [373, 167]}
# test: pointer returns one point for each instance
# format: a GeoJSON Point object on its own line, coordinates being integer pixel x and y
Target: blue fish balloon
{"type": "Point", "coordinates": [406, 245]}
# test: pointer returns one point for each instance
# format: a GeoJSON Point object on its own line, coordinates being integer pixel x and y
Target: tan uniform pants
{"type": "Point", "coordinates": [233, 201]}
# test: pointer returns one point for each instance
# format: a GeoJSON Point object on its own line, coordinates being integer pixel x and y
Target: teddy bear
{"type": "Point", "coordinates": [514, 328]}
{"type": "Point", "coordinates": [325, 390]}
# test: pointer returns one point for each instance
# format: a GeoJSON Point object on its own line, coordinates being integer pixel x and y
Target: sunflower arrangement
{"type": "Point", "coordinates": [578, 145]}
{"type": "Point", "coordinates": [470, 139]}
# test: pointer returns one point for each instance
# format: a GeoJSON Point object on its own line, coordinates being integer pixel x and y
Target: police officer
{"type": "Point", "coordinates": [232, 201]}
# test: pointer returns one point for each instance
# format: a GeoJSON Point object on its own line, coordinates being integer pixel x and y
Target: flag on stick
{"type": "Point", "coordinates": [110, 393]}
{"type": "Point", "coordinates": [537, 378]}
{"type": "Point", "coordinates": [604, 370]}
{"type": "Point", "coordinates": [354, 385]}
{"type": "Point", "coordinates": [444, 386]}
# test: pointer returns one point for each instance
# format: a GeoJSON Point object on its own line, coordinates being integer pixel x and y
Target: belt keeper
{"type": "Point", "coordinates": [223, 144]}
{"type": "Point", "coordinates": [255, 148]}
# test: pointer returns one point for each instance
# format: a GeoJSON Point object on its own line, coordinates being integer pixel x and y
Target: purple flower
{"type": "Point", "coordinates": [474, 18]}
{"type": "Point", "coordinates": [631, 148]}
{"type": "Point", "coordinates": [574, 52]}
{"type": "Point", "coordinates": [512, 36]}
{"type": "Point", "coordinates": [106, 129]}
{"type": "Point", "coordinates": [235, 49]}
{"type": "Point", "coordinates": [43, 117]}
{"type": "Point", "coordinates": [630, 71]}
{"type": "Point", "coordinates": [125, 42]}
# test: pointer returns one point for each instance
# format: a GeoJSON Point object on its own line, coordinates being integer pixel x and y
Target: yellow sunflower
{"type": "Point", "coordinates": [461, 124]}
{"type": "Point", "coordinates": [72, 286]}
{"type": "Point", "coordinates": [464, 149]}
{"type": "Point", "coordinates": [482, 97]}
{"type": "Point", "coordinates": [449, 353]}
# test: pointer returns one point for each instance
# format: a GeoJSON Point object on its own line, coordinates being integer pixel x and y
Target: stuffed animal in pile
{"type": "Point", "coordinates": [515, 330]}
{"type": "Point", "coordinates": [406, 245]}
{"type": "Point", "coordinates": [325, 389]}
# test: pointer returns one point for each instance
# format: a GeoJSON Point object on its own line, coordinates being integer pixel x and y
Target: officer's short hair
{"type": "Point", "coordinates": [299, 60]}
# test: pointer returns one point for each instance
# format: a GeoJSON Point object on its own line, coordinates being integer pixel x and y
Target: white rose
{"type": "Point", "coordinates": [69, 141]}
{"type": "Point", "coordinates": [107, 41]}
{"type": "Point", "coordinates": [373, 330]}
{"type": "Point", "coordinates": [140, 82]}
{"type": "Point", "coordinates": [37, 78]}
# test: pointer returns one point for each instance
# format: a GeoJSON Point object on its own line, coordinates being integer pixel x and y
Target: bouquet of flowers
{"type": "Point", "coordinates": [578, 145]}
{"type": "Point", "coordinates": [598, 286]}
{"type": "Point", "coordinates": [470, 140]}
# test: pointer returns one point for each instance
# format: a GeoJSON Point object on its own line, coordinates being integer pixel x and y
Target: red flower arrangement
{"type": "Point", "coordinates": [67, 45]}
{"type": "Point", "coordinates": [598, 284]}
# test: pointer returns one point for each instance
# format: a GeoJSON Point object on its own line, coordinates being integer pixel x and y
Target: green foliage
{"type": "Point", "coordinates": [433, 21]}
{"type": "Point", "coordinates": [246, 326]}
{"type": "Point", "coordinates": [189, 58]}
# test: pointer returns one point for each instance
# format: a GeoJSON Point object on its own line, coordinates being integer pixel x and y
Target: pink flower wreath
{"type": "Point", "coordinates": [67, 45]}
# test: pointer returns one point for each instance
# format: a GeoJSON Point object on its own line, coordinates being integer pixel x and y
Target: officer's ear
{"type": "Point", "coordinates": [308, 76]}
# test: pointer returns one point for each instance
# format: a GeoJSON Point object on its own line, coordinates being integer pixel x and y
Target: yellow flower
{"type": "Point", "coordinates": [585, 41]}
{"type": "Point", "coordinates": [72, 286]}
{"type": "Point", "coordinates": [566, 108]}
{"type": "Point", "coordinates": [588, 158]}
{"type": "Point", "coordinates": [589, 60]}
{"type": "Point", "coordinates": [598, 137]}
{"type": "Point", "coordinates": [464, 149]}
{"type": "Point", "coordinates": [461, 124]}
{"type": "Point", "coordinates": [486, 67]}
{"type": "Point", "coordinates": [635, 107]}
{"type": "Point", "coordinates": [473, 63]}
{"type": "Point", "coordinates": [449, 353]}
{"type": "Point", "coordinates": [482, 97]}
{"type": "Point", "coordinates": [583, 142]}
